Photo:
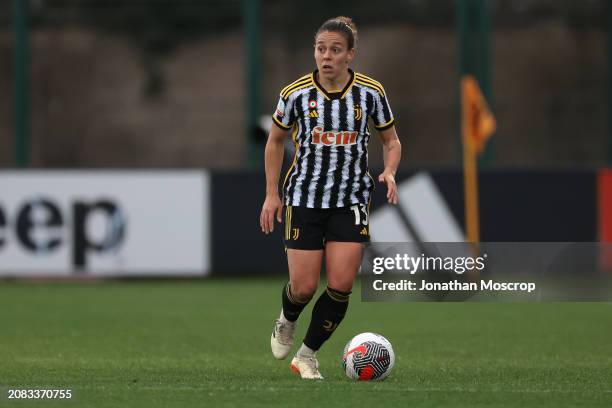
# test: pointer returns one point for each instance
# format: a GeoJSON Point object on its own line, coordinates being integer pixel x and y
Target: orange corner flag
{"type": "Point", "coordinates": [477, 120]}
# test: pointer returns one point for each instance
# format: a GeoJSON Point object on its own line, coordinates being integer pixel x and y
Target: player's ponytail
{"type": "Point", "coordinates": [341, 24]}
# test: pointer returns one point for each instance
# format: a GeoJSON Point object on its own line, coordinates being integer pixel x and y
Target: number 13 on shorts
{"type": "Point", "coordinates": [361, 214]}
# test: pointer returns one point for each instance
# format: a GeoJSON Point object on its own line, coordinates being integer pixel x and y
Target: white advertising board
{"type": "Point", "coordinates": [104, 223]}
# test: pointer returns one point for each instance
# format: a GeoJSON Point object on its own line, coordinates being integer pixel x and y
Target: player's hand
{"type": "Point", "coordinates": [272, 207]}
{"type": "Point", "coordinates": [389, 179]}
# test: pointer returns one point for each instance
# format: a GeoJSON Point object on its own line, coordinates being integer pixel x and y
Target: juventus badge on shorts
{"type": "Point", "coordinates": [295, 233]}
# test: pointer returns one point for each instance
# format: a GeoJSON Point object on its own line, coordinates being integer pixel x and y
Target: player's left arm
{"type": "Point", "coordinates": [392, 153]}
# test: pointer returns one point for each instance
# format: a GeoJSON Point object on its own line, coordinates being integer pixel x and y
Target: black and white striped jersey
{"type": "Point", "coordinates": [331, 135]}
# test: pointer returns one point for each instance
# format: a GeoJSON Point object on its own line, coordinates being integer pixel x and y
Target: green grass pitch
{"type": "Point", "coordinates": [206, 343]}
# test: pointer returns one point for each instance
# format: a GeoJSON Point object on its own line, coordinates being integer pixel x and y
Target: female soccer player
{"type": "Point", "coordinates": [326, 191]}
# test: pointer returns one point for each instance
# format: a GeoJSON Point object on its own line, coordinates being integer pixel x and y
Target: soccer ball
{"type": "Point", "coordinates": [368, 357]}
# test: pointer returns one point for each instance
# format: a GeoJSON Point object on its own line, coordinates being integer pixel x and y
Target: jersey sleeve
{"type": "Point", "coordinates": [284, 115]}
{"type": "Point", "coordinates": [382, 115]}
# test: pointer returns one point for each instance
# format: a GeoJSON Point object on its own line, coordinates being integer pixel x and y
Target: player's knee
{"type": "Point", "coordinates": [303, 291]}
{"type": "Point", "coordinates": [341, 285]}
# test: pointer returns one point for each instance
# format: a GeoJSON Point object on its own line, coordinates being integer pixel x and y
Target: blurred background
{"type": "Point", "coordinates": [113, 83]}
{"type": "Point", "coordinates": [134, 85]}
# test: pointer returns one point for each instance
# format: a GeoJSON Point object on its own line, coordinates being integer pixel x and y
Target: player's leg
{"type": "Point", "coordinates": [343, 252]}
{"type": "Point", "coordinates": [304, 241]}
{"type": "Point", "coordinates": [304, 272]}
{"type": "Point", "coordinates": [342, 264]}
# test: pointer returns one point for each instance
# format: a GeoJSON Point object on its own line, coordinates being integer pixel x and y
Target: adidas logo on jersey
{"type": "Point", "coordinates": [329, 138]}
{"type": "Point", "coordinates": [364, 231]}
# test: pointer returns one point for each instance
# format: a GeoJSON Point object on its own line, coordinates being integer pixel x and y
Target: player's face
{"type": "Point", "coordinates": [332, 54]}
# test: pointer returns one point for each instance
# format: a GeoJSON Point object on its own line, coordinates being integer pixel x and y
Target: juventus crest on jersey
{"type": "Point", "coordinates": [331, 135]}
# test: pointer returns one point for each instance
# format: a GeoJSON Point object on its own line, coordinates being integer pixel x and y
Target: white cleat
{"type": "Point", "coordinates": [282, 338]}
{"type": "Point", "coordinates": [306, 367]}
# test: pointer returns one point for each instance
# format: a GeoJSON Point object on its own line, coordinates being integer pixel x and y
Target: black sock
{"type": "Point", "coordinates": [327, 314]}
{"type": "Point", "coordinates": [292, 307]}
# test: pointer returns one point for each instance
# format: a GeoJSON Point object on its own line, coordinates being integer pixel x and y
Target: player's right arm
{"type": "Point", "coordinates": [273, 206]}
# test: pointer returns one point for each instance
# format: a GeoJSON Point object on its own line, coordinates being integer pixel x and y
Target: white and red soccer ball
{"type": "Point", "coordinates": [368, 357]}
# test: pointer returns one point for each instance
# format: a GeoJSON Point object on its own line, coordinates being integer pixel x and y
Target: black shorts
{"type": "Point", "coordinates": [310, 228]}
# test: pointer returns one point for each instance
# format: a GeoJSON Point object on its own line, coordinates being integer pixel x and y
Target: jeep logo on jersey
{"type": "Point", "coordinates": [329, 138]}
